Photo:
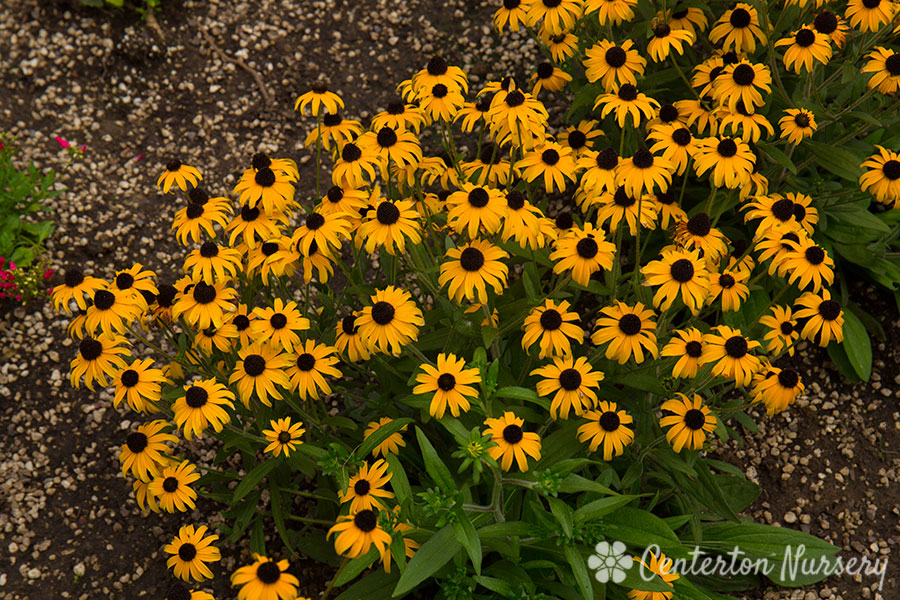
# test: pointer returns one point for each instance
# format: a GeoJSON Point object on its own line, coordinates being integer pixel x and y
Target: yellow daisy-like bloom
{"type": "Point", "coordinates": [476, 208]}
{"type": "Point", "coordinates": [513, 13]}
{"type": "Point", "coordinates": [489, 168]}
{"type": "Point", "coordinates": [172, 487]}
{"type": "Point", "coordinates": [776, 388]}
{"type": "Point", "coordinates": [561, 46]}
{"type": "Point", "coordinates": [558, 15]}
{"type": "Point", "coordinates": [699, 113]}
{"type": "Point", "coordinates": [606, 427]}
{"type": "Point", "coordinates": [204, 305]}
{"type": "Point", "coordinates": [145, 452]}
{"type": "Point", "coordinates": [792, 211]}
{"type": "Point", "coordinates": [581, 138]}
{"type": "Point", "coordinates": [885, 64]}
{"type": "Point", "coordinates": [870, 15]}
{"type": "Point", "coordinates": [390, 225]}
{"type": "Point", "coordinates": [139, 385]}
{"type": "Point", "coordinates": [882, 179]}
{"type": "Point", "coordinates": [75, 288]}
{"type": "Point", "coordinates": [391, 322]}
{"type": "Point", "coordinates": [809, 265]}
{"type": "Point", "coordinates": [469, 269]}
{"type": "Point", "coordinates": [831, 25]}
{"type": "Point", "coordinates": [203, 404]}
{"type": "Point", "coordinates": [599, 170]}
{"type": "Point", "coordinates": [260, 368]}
{"type": "Point", "coordinates": [731, 286]}
{"type": "Point", "coordinates": [628, 330]}
{"type": "Point", "coordinates": [571, 382]}
{"type": "Point", "coordinates": [689, 424]}
{"type": "Point", "coordinates": [613, 65]}
{"type": "Point", "coordinates": [438, 71]}
{"type": "Point", "coordinates": [314, 361]}
{"type": "Point", "coordinates": [517, 117]}
{"type": "Point", "coordinates": [738, 29]}
{"type": "Point", "coordinates": [325, 229]}
{"type": "Point", "coordinates": [391, 444]}
{"type": "Point", "coordinates": [822, 318]}
{"type": "Point", "coordinates": [805, 46]}
{"type": "Point", "coordinates": [730, 351]}
{"type": "Point", "coordinates": [644, 172]}
{"type": "Point", "coordinates": [526, 223]}
{"type": "Point", "coordinates": [265, 579]}
{"type": "Point", "coordinates": [184, 176]}
{"type": "Point", "coordinates": [355, 166]}
{"type": "Point", "coordinates": [582, 252]}
{"type": "Point", "coordinates": [661, 565]}
{"type": "Point", "coordinates": [679, 273]}
{"type": "Point", "coordinates": [348, 340]}
{"type": "Point", "coordinates": [111, 312]}
{"type": "Point", "coordinates": [729, 160]}
{"type": "Point", "coordinates": [797, 125]}
{"type": "Point", "coordinates": [397, 145]}
{"type": "Point", "coordinates": [221, 338]}
{"type": "Point", "coordinates": [440, 103]}
{"type": "Point", "coordinates": [742, 82]}
{"type": "Point", "coordinates": [192, 221]}
{"type": "Point", "coordinates": [782, 331]}
{"type": "Point", "coordinates": [333, 128]}
{"type": "Point", "coordinates": [212, 263]}
{"type": "Point", "coordinates": [366, 488]}
{"type": "Point", "coordinates": [279, 325]}
{"type": "Point", "coordinates": [554, 162]}
{"type": "Point", "coordinates": [697, 233]}
{"type": "Point", "coordinates": [270, 188]}
{"type": "Point", "coordinates": [283, 437]}
{"type": "Point", "coordinates": [676, 144]}
{"type": "Point", "coordinates": [552, 325]}
{"type": "Point", "coordinates": [611, 11]}
{"type": "Point", "coordinates": [475, 113]}
{"type": "Point", "coordinates": [358, 532]}
{"type": "Point", "coordinates": [399, 115]}
{"type": "Point", "coordinates": [687, 346]}
{"type": "Point", "coordinates": [692, 19]}
{"type": "Point", "coordinates": [550, 78]}
{"type": "Point", "coordinates": [746, 125]}
{"type": "Point", "coordinates": [191, 550]}
{"type": "Point", "coordinates": [252, 226]}
{"type": "Point", "coordinates": [343, 200]}
{"type": "Point", "coordinates": [450, 383]}
{"type": "Point", "coordinates": [627, 101]}
{"type": "Point", "coordinates": [512, 442]}
{"type": "Point", "coordinates": [667, 38]}
{"type": "Point", "coordinates": [97, 359]}
{"type": "Point", "coordinates": [775, 244]}
{"type": "Point", "coordinates": [317, 99]}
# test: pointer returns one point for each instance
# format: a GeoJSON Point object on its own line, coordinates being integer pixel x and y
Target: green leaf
{"type": "Point", "coordinates": [428, 559]}
{"type": "Point", "coordinates": [838, 355]}
{"type": "Point", "coordinates": [278, 515]}
{"type": "Point", "coordinates": [252, 479]}
{"type": "Point", "coordinates": [381, 434]}
{"type": "Point", "coordinates": [856, 216]}
{"type": "Point", "coordinates": [857, 345]}
{"type": "Point", "coordinates": [468, 537]}
{"type": "Point", "coordinates": [356, 566]}
{"type": "Point", "coordinates": [577, 483]}
{"type": "Point", "coordinates": [488, 335]}
{"type": "Point", "coordinates": [257, 538]}
{"type": "Point", "coordinates": [579, 569]}
{"type": "Point", "coordinates": [778, 156]}
{"type": "Point", "coordinates": [507, 529]}
{"type": "Point", "coordinates": [399, 481]}
{"type": "Point", "coordinates": [600, 508]}
{"type": "Point", "coordinates": [838, 161]}
{"type": "Point", "coordinates": [640, 528]}
{"type": "Point", "coordinates": [498, 586]}
{"type": "Point", "coordinates": [434, 465]}
{"type": "Point", "coordinates": [377, 585]}
{"type": "Point", "coordinates": [523, 394]}
{"type": "Point", "coordinates": [563, 515]}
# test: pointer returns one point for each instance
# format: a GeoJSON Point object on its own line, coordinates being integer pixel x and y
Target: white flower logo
{"type": "Point", "coordinates": [610, 562]}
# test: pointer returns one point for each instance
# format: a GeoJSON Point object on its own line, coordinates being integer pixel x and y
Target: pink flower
{"type": "Point", "coordinates": [83, 148]}
{"type": "Point", "coordinates": [139, 157]}
{"type": "Point", "coordinates": [48, 273]}
{"type": "Point", "coordinates": [63, 143]}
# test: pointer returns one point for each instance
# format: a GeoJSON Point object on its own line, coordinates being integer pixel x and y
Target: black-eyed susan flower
{"type": "Point", "coordinates": [139, 385]}
{"type": "Point", "coordinates": [178, 591]}
{"type": "Point", "coordinates": [678, 273]}
{"type": "Point", "coordinates": [265, 579]}
{"type": "Point", "coordinates": [145, 450]}
{"type": "Point", "coordinates": [365, 490]}
{"type": "Point", "coordinates": [525, 223]}
{"type": "Point", "coordinates": [260, 368]}
{"type": "Point", "coordinates": [317, 99]}
{"type": "Point", "coordinates": [76, 288]}
{"type": "Point", "coordinates": [387, 144]}
{"type": "Point", "coordinates": [489, 168]}
{"type": "Point", "coordinates": [687, 346]}
{"type": "Point", "coordinates": [334, 129]}
{"type": "Point", "coordinates": [821, 316]}
{"type": "Point", "coordinates": [775, 244]}
{"type": "Point", "coordinates": [342, 200]}
{"type": "Point", "coordinates": [358, 532]}
{"type": "Point", "coordinates": [644, 172]}
{"type": "Point", "coordinates": [252, 226]}
{"type": "Point", "coordinates": [355, 166]}
{"type": "Point", "coordinates": [581, 137]}
{"type": "Point", "coordinates": [476, 208]}
{"type": "Point", "coordinates": [729, 160]}
{"type": "Point", "coordinates": [628, 101]}
{"type": "Point", "coordinates": [313, 363]}
{"type": "Point", "coordinates": [869, 15]}
{"type": "Point", "coordinates": [390, 226]}
{"type": "Point", "coordinates": [270, 188]}
{"type": "Point", "coordinates": [202, 405]}
{"type": "Point", "coordinates": [327, 230]}
{"type": "Point", "coordinates": [557, 15]}
{"type": "Point", "coordinates": [882, 177]}
{"type": "Point", "coordinates": [690, 422]}
{"type": "Point", "coordinates": [691, 18]}
{"type": "Point", "coordinates": [809, 265]}
{"type": "Point", "coordinates": [552, 325]}
{"type": "Point", "coordinates": [797, 125]}
{"type": "Point", "coordinates": [572, 384]}
{"type": "Point", "coordinates": [805, 46]}
{"type": "Point", "coordinates": [697, 233]}
{"type": "Point", "coordinates": [746, 125]}
{"type": "Point", "coordinates": [730, 352]}
{"type": "Point", "coordinates": [240, 318]}
{"type": "Point", "coordinates": [668, 114]}
{"type": "Point", "coordinates": [191, 550]}
{"type": "Point", "coordinates": [279, 325]}
{"type": "Point", "coordinates": [731, 287]}
{"type": "Point", "coordinates": [831, 25]}
{"type": "Point", "coordinates": [607, 427]}
{"type": "Point", "coordinates": [283, 437]}
{"type": "Point", "coordinates": [436, 71]}
{"type": "Point", "coordinates": [470, 269]}
{"type": "Point", "coordinates": [884, 63]}
{"type": "Point", "coordinates": [145, 500]}
{"type": "Point", "coordinates": [628, 330]}
{"type": "Point", "coordinates": [742, 82]}
{"type": "Point", "coordinates": [195, 220]}
{"type": "Point", "coordinates": [211, 262]}
{"type": "Point", "coordinates": [665, 39]}
{"type": "Point", "coordinates": [391, 444]}
{"type": "Point", "coordinates": [550, 161]}
{"type": "Point", "coordinates": [391, 322]}
{"type": "Point", "coordinates": [611, 11]}
{"type": "Point", "coordinates": [97, 359]}
{"type": "Point", "coordinates": [699, 113]}
{"type": "Point", "coordinates": [599, 170]}
{"type": "Point", "coordinates": [440, 103]}
{"type": "Point", "coordinates": [738, 29]}
{"type": "Point", "coordinates": [777, 389]}
{"type": "Point", "coordinates": [205, 305]}
{"type": "Point", "coordinates": [511, 442]}
{"type": "Point", "coordinates": [473, 114]}
{"type": "Point", "coordinates": [676, 144]}
{"type": "Point", "coordinates": [706, 73]}
{"type": "Point", "coordinates": [782, 330]}
{"type": "Point", "coordinates": [218, 338]}
{"type": "Point", "coordinates": [661, 565]}
{"type": "Point", "coordinates": [517, 117]}
{"type": "Point", "coordinates": [348, 341]}
{"type": "Point", "coordinates": [111, 312]}
{"type": "Point", "coordinates": [399, 115]}
{"type": "Point", "coordinates": [512, 13]}
{"type": "Point", "coordinates": [613, 65]}
{"type": "Point", "coordinates": [549, 77]}
{"type": "Point", "coordinates": [582, 252]}
{"type": "Point", "coordinates": [667, 209]}
{"type": "Point", "coordinates": [449, 384]}
{"type": "Point", "coordinates": [172, 487]}
{"type": "Point", "coordinates": [180, 174]}
{"type": "Point", "coordinates": [561, 46]}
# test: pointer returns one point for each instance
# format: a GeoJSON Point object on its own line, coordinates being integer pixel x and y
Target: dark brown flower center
{"type": "Point", "coordinates": [699, 225]}
{"type": "Point", "coordinates": [478, 197]}
{"type": "Point", "coordinates": [260, 161]}
{"type": "Point", "coordinates": [104, 299]}
{"type": "Point", "coordinates": [73, 277]}
{"type": "Point", "coordinates": [173, 165]}
{"type": "Point", "coordinates": [607, 159]}
{"type": "Point", "coordinates": [786, 327]}
{"type": "Point", "coordinates": [739, 18]}
{"type": "Point", "coordinates": [892, 64]}
{"type": "Point", "coordinates": [348, 325]}
{"type": "Point", "coordinates": [330, 120]}
{"type": "Point", "coordinates": [265, 177]}
{"type": "Point", "coordinates": [515, 200]}
{"type": "Point", "coordinates": [694, 419]}
{"type": "Point", "coordinates": [306, 362]}
{"type": "Point", "coordinates": [512, 434]}
{"type": "Point", "coordinates": [545, 70]}
{"type": "Point", "coordinates": [693, 349]}
{"type": "Point", "coordinates": [609, 421]}
{"type": "Point", "coordinates": [681, 136]}
{"type": "Point", "coordinates": [170, 484]}
{"type": "Point", "coordinates": [187, 552]}
{"type": "Point", "coordinates": [788, 378]}
{"type": "Point", "coordinates": [471, 259]}
{"type": "Point", "coordinates": [437, 66]}
{"type": "Point", "coordinates": [587, 248]}
{"type": "Point", "coordinates": [209, 250]}
{"type": "Point", "coordinates": [805, 38]}
{"type": "Point", "coordinates": [682, 270]}
{"type": "Point", "coordinates": [826, 22]}
{"type": "Point", "coordinates": [662, 30]}
{"type": "Point", "coordinates": [268, 572]}
{"type": "Point", "coordinates": [365, 520]}
{"type": "Point", "coordinates": [361, 487]}
{"type": "Point", "coordinates": [129, 378]}
{"type": "Point", "coordinates": [570, 379]}
{"type": "Point", "coordinates": [744, 75]}
{"type": "Point", "coordinates": [628, 92]}
{"type": "Point", "coordinates": [815, 255]}
{"type": "Point", "coordinates": [254, 365]}
{"type": "Point", "coordinates": [350, 152]}
{"type": "Point", "coordinates": [616, 57]}
{"type": "Point", "coordinates": [196, 396]}
{"type": "Point", "coordinates": [515, 98]}
{"type": "Point", "coordinates": [137, 442]}
{"type": "Point", "coordinates": [736, 346]}
{"type": "Point", "coordinates": [383, 312]}
{"type": "Point", "coordinates": [630, 324]}
{"type": "Point", "coordinates": [193, 211]}
{"type": "Point", "coordinates": [387, 213]}
{"type": "Point", "coordinates": [668, 113]}
{"type": "Point", "coordinates": [642, 159]}
{"type": "Point", "coordinates": [621, 198]}
{"type": "Point", "coordinates": [550, 157]}
{"type": "Point", "coordinates": [577, 139]}
{"type": "Point", "coordinates": [830, 310]}
{"type": "Point", "coordinates": [727, 148]}
{"type": "Point", "coordinates": [551, 320]}
{"type": "Point", "coordinates": [446, 381]}
{"type": "Point", "coordinates": [891, 169]}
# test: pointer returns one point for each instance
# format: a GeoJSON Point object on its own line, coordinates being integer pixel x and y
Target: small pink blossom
{"type": "Point", "coordinates": [63, 143]}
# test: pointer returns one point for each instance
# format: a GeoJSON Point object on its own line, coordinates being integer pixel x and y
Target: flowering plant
{"type": "Point", "coordinates": [468, 361]}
